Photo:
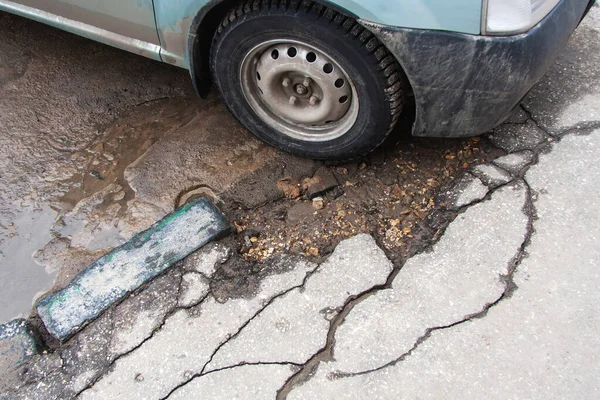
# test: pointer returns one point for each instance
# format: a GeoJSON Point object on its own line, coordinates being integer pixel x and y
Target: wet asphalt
{"type": "Point", "coordinates": [57, 91]}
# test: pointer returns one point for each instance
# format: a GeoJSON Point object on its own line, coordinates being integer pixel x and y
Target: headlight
{"type": "Point", "coordinates": [505, 17]}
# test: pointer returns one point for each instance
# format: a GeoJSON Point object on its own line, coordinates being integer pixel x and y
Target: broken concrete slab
{"type": "Point", "coordinates": [464, 191]}
{"type": "Point", "coordinates": [511, 138]}
{"type": "Point", "coordinates": [17, 344]}
{"type": "Point", "coordinates": [541, 342]}
{"type": "Point", "coordinates": [569, 94]}
{"type": "Point", "coordinates": [247, 382]}
{"type": "Point", "coordinates": [322, 181]}
{"type": "Point", "coordinates": [514, 162]}
{"type": "Point", "coordinates": [465, 271]}
{"type": "Point", "coordinates": [141, 313]}
{"type": "Point", "coordinates": [173, 356]}
{"type": "Point", "coordinates": [127, 267]}
{"type": "Point", "coordinates": [491, 175]}
{"type": "Point", "coordinates": [206, 260]}
{"type": "Point", "coordinates": [303, 316]}
{"type": "Point", "coordinates": [194, 288]}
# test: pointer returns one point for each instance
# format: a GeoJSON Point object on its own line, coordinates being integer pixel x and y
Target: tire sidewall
{"type": "Point", "coordinates": [247, 32]}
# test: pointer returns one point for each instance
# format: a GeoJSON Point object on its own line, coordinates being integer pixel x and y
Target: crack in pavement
{"type": "Point", "coordinates": [244, 363]}
{"type": "Point", "coordinates": [510, 287]}
{"type": "Point", "coordinates": [583, 128]}
{"type": "Point", "coordinates": [306, 369]}
{"type": "Point", "coordinates": [240, 329]}
{"type": "Point", "coordinates": [63, 377]}
{"type": "Point", "coordinates": [534, 120]}
{"type": "Point", "coordinates": [167, 315]}
{"type": "Point", "coordinates": [327, 353]}
{"type": "Point", "coordinates": [231, 367]}
{"type": "Point", "coordinates": [316, 297]}
{"type": "Point", "coordinates": [163, 320]}
{"type": "Point", "coordinates": [561, 132]}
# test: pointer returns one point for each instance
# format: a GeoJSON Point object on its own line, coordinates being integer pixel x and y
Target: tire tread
{"type": "Point", "coordinates": [383, 61]}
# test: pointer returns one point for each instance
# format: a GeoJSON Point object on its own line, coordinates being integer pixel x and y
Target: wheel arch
{"type": "Point", "coordinates": [205, 24]}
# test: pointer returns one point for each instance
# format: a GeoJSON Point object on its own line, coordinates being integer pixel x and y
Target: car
{"type": "Point", "coordinates": [328, 79]}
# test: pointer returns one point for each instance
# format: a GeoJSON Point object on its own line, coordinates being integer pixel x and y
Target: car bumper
{"type": "Point", "coordinates": [465, 85]}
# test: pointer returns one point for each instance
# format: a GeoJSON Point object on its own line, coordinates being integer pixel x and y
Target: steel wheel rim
{"type": "Point", "coordinates": [299, 90]}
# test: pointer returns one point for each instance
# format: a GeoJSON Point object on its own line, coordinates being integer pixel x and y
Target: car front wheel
{"type": "Point", "coordinates": [306, 79]}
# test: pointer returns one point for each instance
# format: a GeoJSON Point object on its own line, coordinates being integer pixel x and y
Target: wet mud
{"type": "Point", "coordinates": [389, 194]}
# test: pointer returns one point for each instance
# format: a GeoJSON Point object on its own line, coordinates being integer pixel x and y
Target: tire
{"type": "Point", "coordinates": [373, 89]}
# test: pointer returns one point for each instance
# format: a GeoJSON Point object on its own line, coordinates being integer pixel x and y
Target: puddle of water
{"type": "Point", "coordinates": [22, 280]}
{"type": "Point", "coordinates": [124, 142]}
{"type": "Point", "coordinates": [25, 230]}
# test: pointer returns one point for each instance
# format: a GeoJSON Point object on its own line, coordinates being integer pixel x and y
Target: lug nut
{"type": "Point", "coordinates": [293, 100]}
{"type": "Point", "coordinates": [301, 89]}
{"type": "Point", "coordinates": [286, 82]}
{"type": "Point", "coordinates": [313, 100]}
{"type": "Point", "coordinates": [306, 82]}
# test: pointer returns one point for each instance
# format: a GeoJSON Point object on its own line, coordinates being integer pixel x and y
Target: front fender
{"type": "Point", "coordinates": [178, 21]}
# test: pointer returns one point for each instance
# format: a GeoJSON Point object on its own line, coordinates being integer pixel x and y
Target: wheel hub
{"type": "Point", "coordinates": [299, 90]}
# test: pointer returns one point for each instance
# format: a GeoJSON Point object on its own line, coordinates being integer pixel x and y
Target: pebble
{"type": "Point", "coordinates": [318, 203]}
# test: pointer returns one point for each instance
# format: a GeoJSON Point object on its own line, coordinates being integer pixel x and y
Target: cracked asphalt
{"type": "Point", "coordinates": [497, 299]}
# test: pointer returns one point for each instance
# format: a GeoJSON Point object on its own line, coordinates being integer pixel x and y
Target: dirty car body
{"type": "Point", "coordinates": [468, 63]}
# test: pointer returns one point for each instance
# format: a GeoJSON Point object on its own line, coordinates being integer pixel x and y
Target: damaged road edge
{"type": "Point", "coordinates": [17, 344]}
{"type": "Point", "coordinates": [125, 268]}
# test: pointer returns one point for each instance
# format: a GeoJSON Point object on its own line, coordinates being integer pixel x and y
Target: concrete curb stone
{"type": "Point", "coordinates": [145, 256]}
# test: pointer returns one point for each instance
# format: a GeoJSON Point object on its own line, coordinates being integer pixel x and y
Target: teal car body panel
{"type": "Point", "coordinates": [161, 29]}
{"type": "Point", "coordinates": [174, 18]}
{"type": "Point", "coordinates": [126, 24]}
{"type": "Point", "coordinates": [455, 15]}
